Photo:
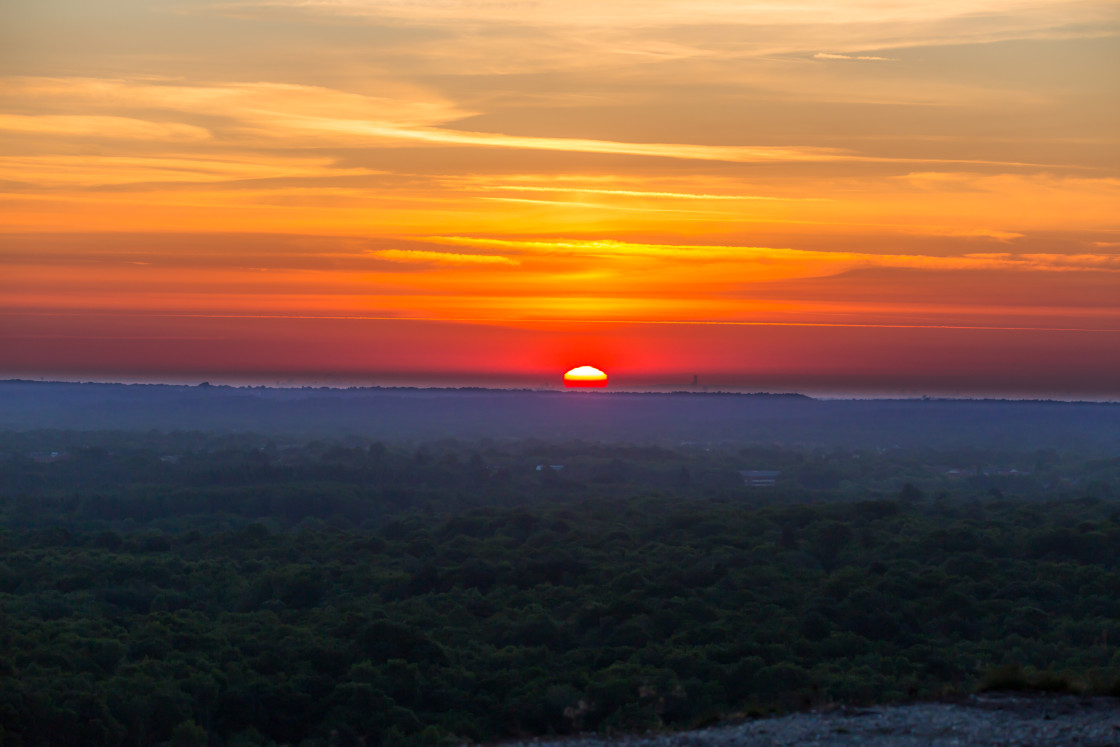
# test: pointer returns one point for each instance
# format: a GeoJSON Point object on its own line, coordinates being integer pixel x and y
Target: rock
{"type": "Point", "coordinates": [995, 720]}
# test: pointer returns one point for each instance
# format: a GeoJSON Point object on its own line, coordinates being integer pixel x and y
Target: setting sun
{"type": "Point", "coordinates": [585, 376]}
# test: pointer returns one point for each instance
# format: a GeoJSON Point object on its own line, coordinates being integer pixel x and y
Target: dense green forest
{"type": "Point", "coordinates": [198, 588]}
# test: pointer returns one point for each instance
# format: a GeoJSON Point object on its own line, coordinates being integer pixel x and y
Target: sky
{"type": "Point", "coordinates": [860, 197]}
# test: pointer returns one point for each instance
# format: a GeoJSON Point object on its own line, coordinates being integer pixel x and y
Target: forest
{"type": "Point", "coordinates": [206, 587]}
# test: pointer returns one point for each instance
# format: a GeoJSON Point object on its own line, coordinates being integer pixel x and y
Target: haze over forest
{"type": "Point", "coordinates": [425, 414]}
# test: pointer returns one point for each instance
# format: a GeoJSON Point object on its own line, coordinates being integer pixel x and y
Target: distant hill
{"type": "Point", "coordinates": [413, 414]}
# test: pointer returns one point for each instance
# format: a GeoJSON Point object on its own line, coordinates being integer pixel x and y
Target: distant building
{"type": "Point", "coordinates": [553, 467]}
{"type": "Point", "coordinates": [759, 478]}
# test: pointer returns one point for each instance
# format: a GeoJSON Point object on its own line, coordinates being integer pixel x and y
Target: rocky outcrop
{"type": "Point", "coordinates": [993, 720]}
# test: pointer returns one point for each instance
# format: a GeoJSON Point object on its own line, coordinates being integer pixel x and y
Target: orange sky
{"type": "Point", "coordinates": [862, 196]}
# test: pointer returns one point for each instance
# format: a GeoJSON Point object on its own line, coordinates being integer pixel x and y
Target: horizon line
{"type": "Point", "coordinates": [559, 389]}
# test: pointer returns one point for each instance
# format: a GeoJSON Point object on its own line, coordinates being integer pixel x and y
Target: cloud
{"type": "Point", "coordinates": [259, 109]}
{"type": "Point", "coordinates": [639, 193]}
{"type": "Point", "coordinates": [92, 170]}
{"type": "Point", "coordinates": [263, 114]}
{"type": "Point", "coordinates": [1074, 261]}
{"type": "Point", "coordinates": [420, 256]}
{"type": "Point", "coordinates": [102, 127]}
{"type": "Point", "coordinates": [606, 206]}
{"type": "Point", "coordinates": [815, 262]}
{"type": "Point", "coordinates": [865, 58]}
{"type": "Point", "coordinates": [677, 29]}
{"type": "Point", "coordinates": [661, 13]}
{"type": "Point", "coordinates": [370, 132]}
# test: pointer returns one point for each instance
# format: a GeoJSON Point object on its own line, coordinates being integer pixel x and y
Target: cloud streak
{"type": "Point", "coordinates": [95, 170]}
{"type": "Point", "coordinates": [419, 256]}
{"type": "Point", "coordinates": [606, 206]}
{"type": "Point", "coordinates": [861, 58]}
{"type": "Point", "coordinates": [102, 127]}
{"type": "Point", "coordinates": [644, 194]}
{"type": "Point", "coordinates": [662, 13]}
{"type": "Point", "coordinates": [817, 261]}
{"type": "Point", "coordinates": [584, 34]}
{"type": "Point", "coordinates": [260, 115]}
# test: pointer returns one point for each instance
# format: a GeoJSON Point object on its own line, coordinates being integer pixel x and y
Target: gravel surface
{"type": "Point", "coordinates": [995, 720]}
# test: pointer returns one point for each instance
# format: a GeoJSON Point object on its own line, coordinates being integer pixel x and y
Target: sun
{"type": "Point", "coordinates": [585, 377]}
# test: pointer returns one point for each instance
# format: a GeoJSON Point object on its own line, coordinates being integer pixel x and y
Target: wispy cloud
{"type": "Point", "coordinates": [862, 58]}
{"type": "Point", "coordinates": [605, 206]}
{"type": "Point", "coordinates": [420, 256]}
{"type": "Point", "coordinates": [644, 194]}
{"type": "Point", "coordinates": [373, 131]}
{"type": "Point", "coordinates": [660, 13]}
{"type": "Point", "coordinates": [580, 32]}
{"type": "Point", "coordinates": [1073, 261]}
{"type": "Point", "coordinates": [260, 115]}
{"type": "Point", "coordinates": [818, 262]}
{"type": "Point", "coordinates": [102, 127]}
{"type": "Point", "coordinates": [94, 170]}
